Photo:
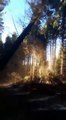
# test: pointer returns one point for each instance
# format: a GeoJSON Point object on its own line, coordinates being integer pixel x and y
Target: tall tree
{"type": "Point", "coordinates": [3, 3]}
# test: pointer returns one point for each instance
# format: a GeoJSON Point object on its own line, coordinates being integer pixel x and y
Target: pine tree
{"type": "Point", "coordinates": [3, 3]}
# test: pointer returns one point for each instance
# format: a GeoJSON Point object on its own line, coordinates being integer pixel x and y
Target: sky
{"type": "Point", "coordinates": [14, 12]}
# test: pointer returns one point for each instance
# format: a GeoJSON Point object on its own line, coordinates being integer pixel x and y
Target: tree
{"type": "Point", "coordinates": [14, 37]}
{"type": "Point", "coordinates": [3, 3]}
{"type": "Point", "coordinates": [64, 39]}
{"type": "Point", "coordinates": [1, 49]}
{"type": "Point", "coordinates": [8, 44]}
{"type": "Point", "coordinates": [52, 14]}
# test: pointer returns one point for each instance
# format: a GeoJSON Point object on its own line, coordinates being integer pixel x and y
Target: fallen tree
{"type": "Point", "coordinates": [16, 45]}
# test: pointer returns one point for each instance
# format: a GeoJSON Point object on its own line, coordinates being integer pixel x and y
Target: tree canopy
{"type": "Point", "coordinates": [3, 3]}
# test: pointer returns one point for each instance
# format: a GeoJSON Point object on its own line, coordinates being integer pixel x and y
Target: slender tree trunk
{"type": "Point", "coordinates": [54, 55]}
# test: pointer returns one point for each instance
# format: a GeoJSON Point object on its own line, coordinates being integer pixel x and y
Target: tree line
{"type": "Point", "coordinates": [6, 47]}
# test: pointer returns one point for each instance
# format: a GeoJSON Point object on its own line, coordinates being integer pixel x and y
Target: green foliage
{"type": "Point", "coordinates": [55, 23]}
{"type": "Point", "coordinates": [64, 3]}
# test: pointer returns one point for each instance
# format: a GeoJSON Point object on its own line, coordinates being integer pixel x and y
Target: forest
{"type": "Point", "coordinates": [43, 44]}
{"type": "Point", "coordinates": [33, 63]}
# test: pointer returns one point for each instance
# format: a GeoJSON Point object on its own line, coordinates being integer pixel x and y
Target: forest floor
{"type": "Point", "coordinates": [32, 101]}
